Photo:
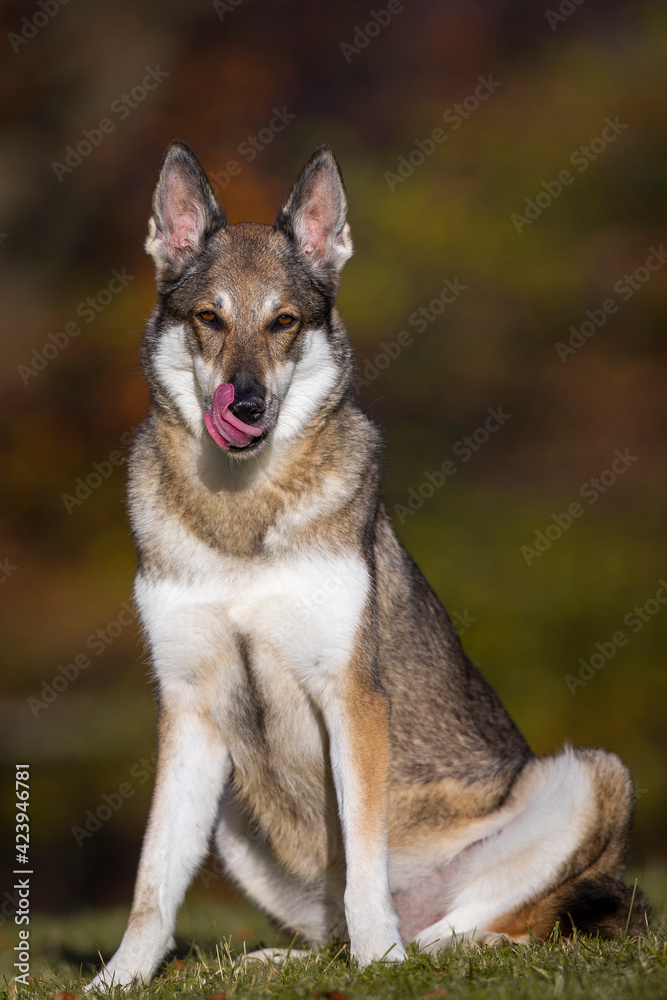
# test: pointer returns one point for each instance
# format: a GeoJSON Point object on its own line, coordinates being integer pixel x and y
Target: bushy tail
{"type": "Point", "coordinates": [601, 904]}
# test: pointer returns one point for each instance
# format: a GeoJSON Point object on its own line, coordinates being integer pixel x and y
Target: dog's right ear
{"type": "Point", "coordinates": [185, 213]}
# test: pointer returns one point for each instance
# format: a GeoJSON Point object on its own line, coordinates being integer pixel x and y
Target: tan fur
{"type": "Point", "coordinates": [419, 814]}
{"type": "Point", "coordinates": [287, 790]}
{"type": "Point", "coordinates": [368, 732]}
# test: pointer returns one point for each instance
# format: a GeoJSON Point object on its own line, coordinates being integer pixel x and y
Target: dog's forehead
{"type": "Point", "coordinates": [252, 268]}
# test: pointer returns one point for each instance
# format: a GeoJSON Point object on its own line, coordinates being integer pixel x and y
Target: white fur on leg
{"type": "Point", "coordinates": [191, 774]}
{"type": "Point", "coordinates": [369, 909]}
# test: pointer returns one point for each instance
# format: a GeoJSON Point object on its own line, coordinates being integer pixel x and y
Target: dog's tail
{"type": "Point", "coordinates": [589, 903]}
{"type": "Point", "coordinates": [600, 904]}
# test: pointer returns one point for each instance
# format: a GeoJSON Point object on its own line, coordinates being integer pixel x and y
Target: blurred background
{"type": "Point", "coordinates": [485, 278]}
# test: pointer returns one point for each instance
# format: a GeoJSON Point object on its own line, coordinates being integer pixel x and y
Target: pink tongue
{"type": "Point", "coordinates": [226, 429]}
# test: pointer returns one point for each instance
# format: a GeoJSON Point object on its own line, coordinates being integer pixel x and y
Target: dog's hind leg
{"type": "Point", "coordinates": [560, 853]}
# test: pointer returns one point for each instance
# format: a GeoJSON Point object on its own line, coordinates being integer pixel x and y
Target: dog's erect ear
{"type": "Point", "coordinates": [185, 212]}
{"type": "Point", "coordinates": [315, 217]}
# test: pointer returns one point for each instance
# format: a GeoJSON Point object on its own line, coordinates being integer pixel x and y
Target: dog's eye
{"type": "Point", "coordinates": [207, 316]}
{"type": "Point", "coordinates": [285, 320]}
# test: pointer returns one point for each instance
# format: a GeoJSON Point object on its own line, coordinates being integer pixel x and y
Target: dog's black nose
{"type": "Point", "coordinates": [248, 405]}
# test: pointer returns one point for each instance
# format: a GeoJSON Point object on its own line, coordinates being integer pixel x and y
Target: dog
{"type": "Point", "coordinates": [317, 716]}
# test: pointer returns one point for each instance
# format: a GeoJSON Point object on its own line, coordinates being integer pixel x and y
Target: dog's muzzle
{"type": "Point", "coordinates": [224, 427]}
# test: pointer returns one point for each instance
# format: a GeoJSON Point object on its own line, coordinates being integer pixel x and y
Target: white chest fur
{"type": "Point", "coordinates": [303, 609]}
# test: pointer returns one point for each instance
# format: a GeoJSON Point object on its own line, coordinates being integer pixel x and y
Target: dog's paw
{"type": "Point", "coordinates": [136, 960]}
{"type": "Point", "coordinates": [365, 953]}
{"type": "Point", "coordinates": [106, 980]}
{"type": "Point", "coordinates": [278, 955]}
{"type": "Point", "coordinates": [103, 982]}
{"type": "Point", "coordinates": [374, 935]}
{"type": "Point", "coordinates": [115, 975]}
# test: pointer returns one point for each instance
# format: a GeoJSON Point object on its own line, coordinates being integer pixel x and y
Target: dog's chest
{"type": "Point", "coordinates": [256, 643]}
{"type": "Point", "coordinates": [302, 607]}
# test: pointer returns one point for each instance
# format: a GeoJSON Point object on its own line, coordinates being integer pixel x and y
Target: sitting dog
{"type": "Point", "coordinates": [317, 715]}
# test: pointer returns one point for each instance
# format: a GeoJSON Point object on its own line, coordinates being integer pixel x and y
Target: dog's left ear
{"type": "Point", "coordinates": [315, 217]}
{"type": "Point", "coordinates": [185, 213]}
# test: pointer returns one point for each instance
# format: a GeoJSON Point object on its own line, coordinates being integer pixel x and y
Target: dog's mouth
{"type": "Point", "coordinates": [226, 429]}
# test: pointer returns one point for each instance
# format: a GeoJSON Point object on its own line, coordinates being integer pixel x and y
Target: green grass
{"type": "Point", "coordinates": [585, 967]}
{"type": "Point", "coordinates": [212, 937]}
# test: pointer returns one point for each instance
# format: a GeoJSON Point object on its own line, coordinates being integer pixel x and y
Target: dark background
{"type": "Point", "coordinates": [69, 562]}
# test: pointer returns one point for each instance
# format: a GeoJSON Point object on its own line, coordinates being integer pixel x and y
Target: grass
{"type": "Point", "coordinates": [212, 938]}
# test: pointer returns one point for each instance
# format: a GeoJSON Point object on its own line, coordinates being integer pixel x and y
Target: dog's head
{"type": "Point", "coordinates": [241, 342]}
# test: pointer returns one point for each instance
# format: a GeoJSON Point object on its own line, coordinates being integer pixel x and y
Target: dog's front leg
{"type": "Point", "coordinates": [192, 769]}
{"type": "Point", "coordinates": [357, 718]}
